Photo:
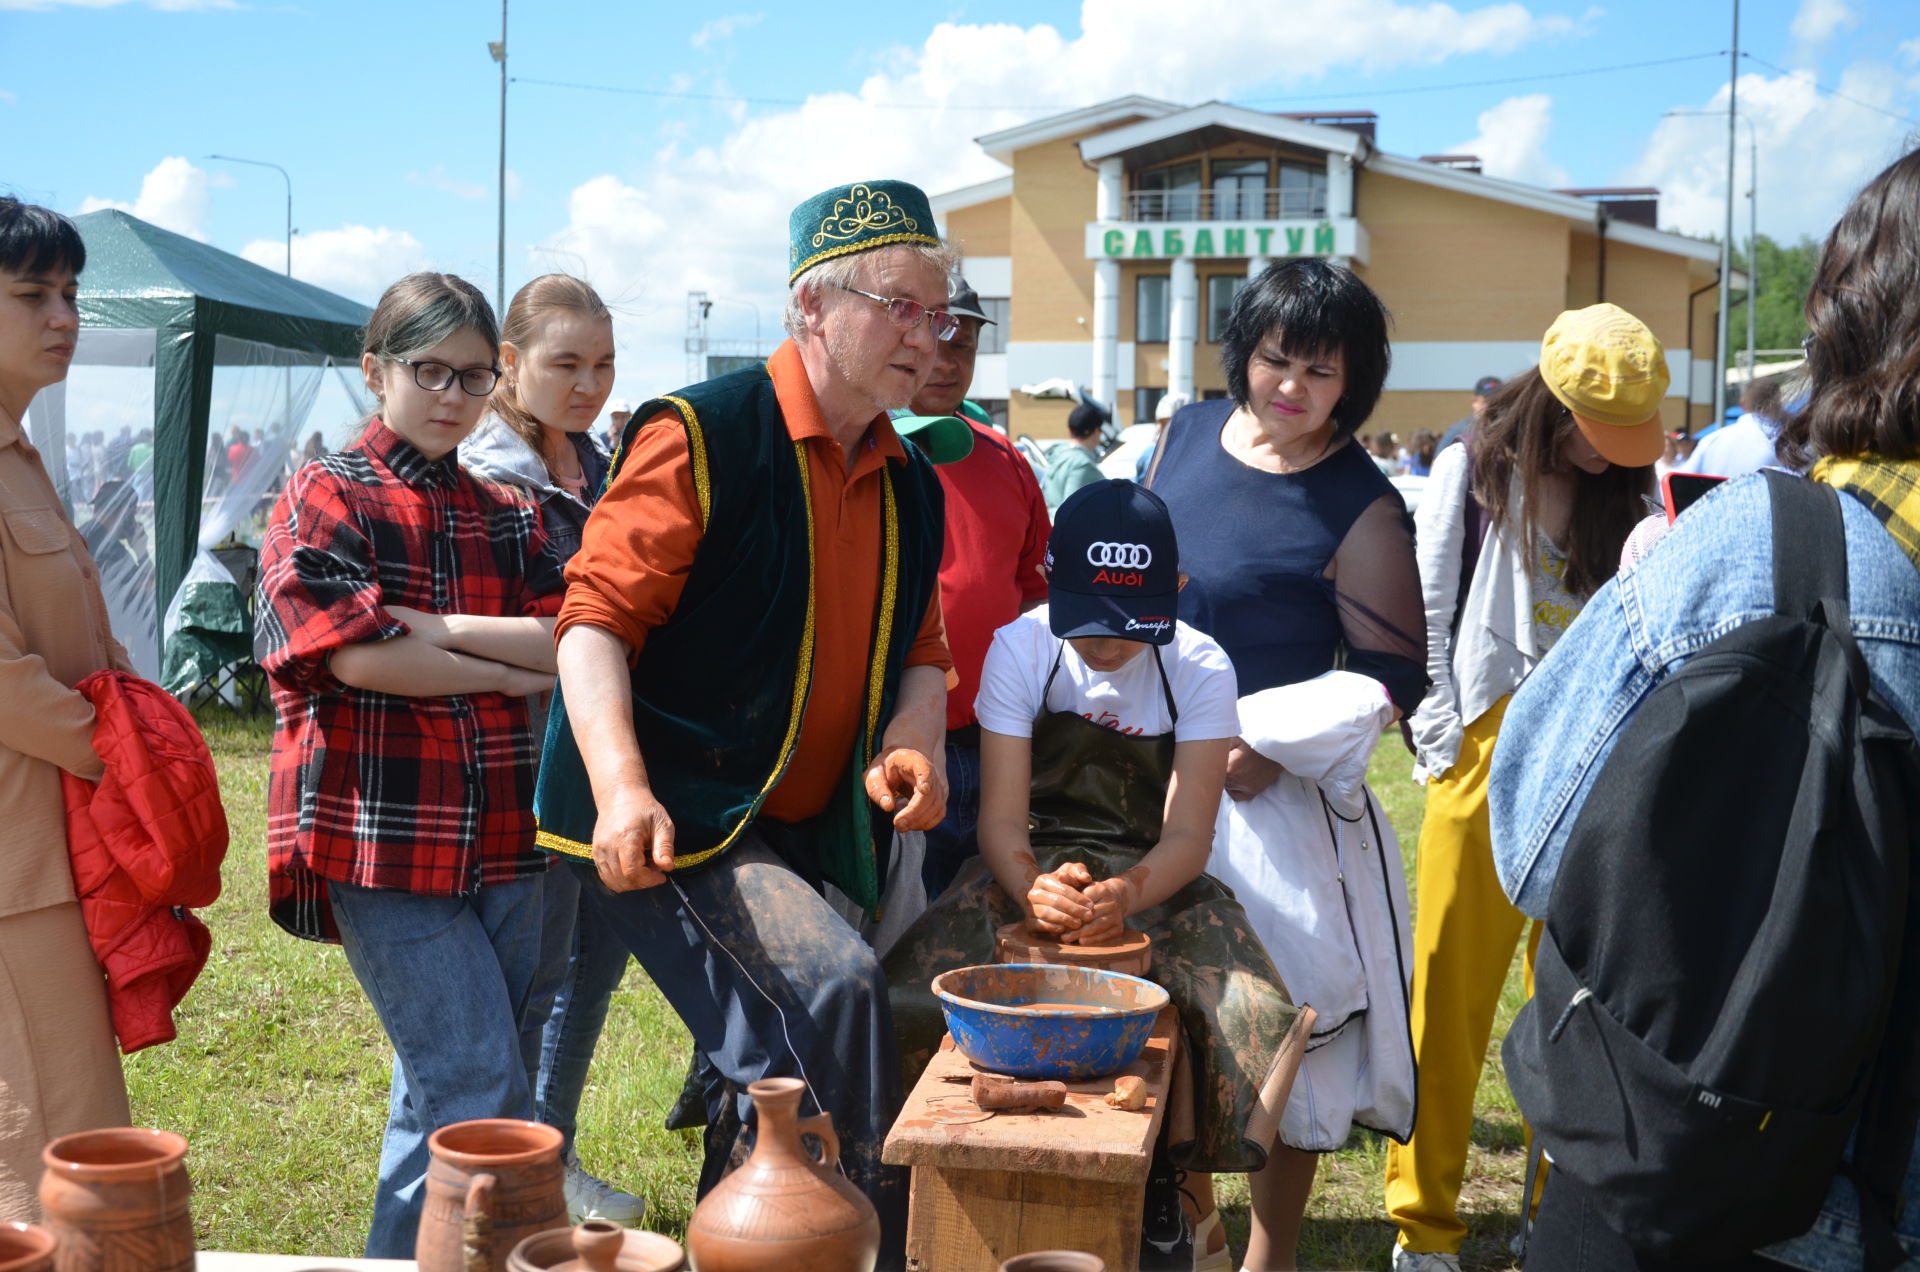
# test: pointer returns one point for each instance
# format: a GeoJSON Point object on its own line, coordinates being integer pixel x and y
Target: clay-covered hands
{"type": "Point", "coordinates": [907, 784]}
{"type": "Point", "coordinates": [1112, 900]}
{"type": "Point", "coordinates": [1068, 903]}
{"type": "Point", "coordinates": [633, 841]}
{"type": "Point", "coordinates": [1248, 771]}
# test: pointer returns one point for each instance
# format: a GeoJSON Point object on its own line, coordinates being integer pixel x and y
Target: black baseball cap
{"type": "Point", "coordinates": [964, 302]}
{"type": "Point", "coordinates": [1113, 565]}
{"type": "Point", "coordinates": [1486, 385]}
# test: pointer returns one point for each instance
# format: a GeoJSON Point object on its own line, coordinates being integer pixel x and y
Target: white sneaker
{"type": "Point", "coordinates": [590, 1198]}
{"type": "Point", "coordinates": [1405, 1260]}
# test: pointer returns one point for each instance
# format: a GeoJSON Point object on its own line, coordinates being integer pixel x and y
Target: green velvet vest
{"type": "Point", "coordinates": [720, 688]}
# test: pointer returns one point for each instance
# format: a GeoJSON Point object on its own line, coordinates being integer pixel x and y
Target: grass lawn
{"type": "Point", "coordinates": [279, 1080]}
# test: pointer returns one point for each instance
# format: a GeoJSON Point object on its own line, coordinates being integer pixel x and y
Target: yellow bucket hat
{"type": "Point", "coordinates": [1610, 372]}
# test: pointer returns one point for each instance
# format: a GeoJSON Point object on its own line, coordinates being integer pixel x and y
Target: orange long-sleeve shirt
{"type": "Point", "coordinates": [644, 532]}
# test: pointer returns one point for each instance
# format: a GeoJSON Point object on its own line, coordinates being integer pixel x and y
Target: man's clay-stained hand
{"type": "Point", "coordinates": [907, 784]}
{"type": "Point", "coordinates": [633, 842]}
{"type": "Point", "coordinates": [1056, 903]}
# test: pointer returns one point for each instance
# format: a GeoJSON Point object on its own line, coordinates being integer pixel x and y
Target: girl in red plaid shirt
{"type": "Point", "coordinates": [401, 605]}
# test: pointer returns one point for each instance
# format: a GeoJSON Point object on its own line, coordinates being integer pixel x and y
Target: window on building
{"type": "Point", "coordinates": [1239, 189]}
{"type": "Point", "coordinates": [1303, 190]}
{"type": "Point", "coordinates": [1169, 194]}
{"type": "Point", "coordinates": [1146, 402]}
{"type": "Point", "coordinates": [1221, 289]}
{"type": "Point", "coordinates": [1151, 294]}
{"type": "Point", "coordinates": [993, 336]}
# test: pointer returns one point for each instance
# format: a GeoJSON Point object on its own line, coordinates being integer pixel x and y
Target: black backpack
{"type": "Point", "coordinates": [1726, 941]}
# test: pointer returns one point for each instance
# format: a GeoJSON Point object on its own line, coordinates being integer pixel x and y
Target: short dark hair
{"type": "Point", "coordinates": [1863, 339]}
{"type": "Point", "coordinates": [1316, 307]}
{"type": "Point", "coordinates": [1086, 420]}
{"type": "Point", "coordinates": [34, 239]}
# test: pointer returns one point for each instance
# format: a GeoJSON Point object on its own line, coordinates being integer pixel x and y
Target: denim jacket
{"type": "Point", "coordinates": [1713, 572]}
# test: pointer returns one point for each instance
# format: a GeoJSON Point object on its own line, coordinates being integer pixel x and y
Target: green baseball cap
{"type": "Point", "coordinates": [946, 439]}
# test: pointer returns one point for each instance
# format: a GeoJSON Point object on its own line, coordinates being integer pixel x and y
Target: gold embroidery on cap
{"type": "Point", "coordinates": [864, 210]}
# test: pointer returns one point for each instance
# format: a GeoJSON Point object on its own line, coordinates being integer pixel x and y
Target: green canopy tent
{"type": "Point", "coordinates": [153, 298]}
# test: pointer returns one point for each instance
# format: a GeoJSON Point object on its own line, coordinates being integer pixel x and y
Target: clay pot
{"type": "Point", "coordinates": [117, 1201]}
{"type": "Point", "coordinates": [26, 1248]}
{"type": "Point", "coordinates": [781, 1208]}
{"type": "Point", "coordinates": [597, 1246]}
{"type": "Point", "coordinates": [1054, 1261]}
{"type": "Point", "coordinates": [492, 1183]}
{"type": "Point", "coordinates": [1017, 943]}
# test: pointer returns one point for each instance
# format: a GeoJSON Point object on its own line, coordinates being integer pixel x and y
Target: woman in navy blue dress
{"type": "Point", "coordinates": [1302, 565]}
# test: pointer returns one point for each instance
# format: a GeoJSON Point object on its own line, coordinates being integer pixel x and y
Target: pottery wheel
{"type": "Point", "coordinates": [1017, 943]}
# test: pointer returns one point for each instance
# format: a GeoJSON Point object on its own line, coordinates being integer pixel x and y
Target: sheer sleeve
{"type": "Point", "coordinates": [1382, 611]}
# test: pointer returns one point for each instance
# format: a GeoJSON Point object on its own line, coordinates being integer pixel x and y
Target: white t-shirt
{"type": "Point", "coordinates": [1130, 700]}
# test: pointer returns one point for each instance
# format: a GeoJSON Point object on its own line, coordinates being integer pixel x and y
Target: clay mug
{"type": "Point", "coordinates": [597, 1246]}
{"type": "Point", "coordinates": [117, 1201]}
{"type": "Point", "coordinates": [491, 1183]}
{"type": "Point", "coordinates": [1054, 1261]}
{"type": "Point", "coordinates": [781, 1208]}
{"type": "Point", "coordinates": [25, 1248]}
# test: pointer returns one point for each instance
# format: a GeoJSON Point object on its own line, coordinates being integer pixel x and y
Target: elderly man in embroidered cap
{"type": "Point", "coordinates": [753, 675]}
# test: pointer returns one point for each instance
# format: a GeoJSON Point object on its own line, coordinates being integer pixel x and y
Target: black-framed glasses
{"type": "Point", "coordinates": [908, 312]}
{"type": "Point", "coordinates": [434, 377]}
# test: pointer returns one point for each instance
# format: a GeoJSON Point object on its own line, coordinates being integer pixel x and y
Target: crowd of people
{"type": "Point", "coordinates": [798, 683]}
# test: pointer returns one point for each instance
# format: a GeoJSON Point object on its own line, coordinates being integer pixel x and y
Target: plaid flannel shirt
{"type": "Point", "coordinates": [431, 795]}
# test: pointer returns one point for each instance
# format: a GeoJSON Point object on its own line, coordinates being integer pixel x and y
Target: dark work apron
{"type": "Point", "coordinates": [1099, 797]}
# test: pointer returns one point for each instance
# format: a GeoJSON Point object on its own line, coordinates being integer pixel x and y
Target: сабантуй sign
{"type": "Point", "coordinates": [1282, 239]}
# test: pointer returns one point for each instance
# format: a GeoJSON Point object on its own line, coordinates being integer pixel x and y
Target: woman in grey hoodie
{"type": "Point", "coordinates": [556, 346]}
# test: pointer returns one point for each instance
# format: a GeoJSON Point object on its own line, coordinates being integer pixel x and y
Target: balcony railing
{"type": "Point", "coordinates": [1224, 205]}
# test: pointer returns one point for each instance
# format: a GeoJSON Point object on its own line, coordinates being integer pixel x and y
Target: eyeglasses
{"type": "Point", "coordinates": [434, 377]}
{"type": "Point", "coordinates": [908, 312]}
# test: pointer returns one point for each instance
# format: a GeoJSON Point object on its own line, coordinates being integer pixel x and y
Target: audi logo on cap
{"type": "Point", "coordinates": [1125, 556]}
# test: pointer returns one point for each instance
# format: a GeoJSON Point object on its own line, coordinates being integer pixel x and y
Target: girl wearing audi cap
{"type": "Point", "coordinates": [1105, 724]}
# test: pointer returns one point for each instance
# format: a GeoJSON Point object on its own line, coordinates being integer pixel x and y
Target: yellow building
{"type": "Point", "coordinates": [1114, 245]}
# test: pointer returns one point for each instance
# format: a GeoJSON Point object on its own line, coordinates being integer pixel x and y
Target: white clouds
{"type": "Point", "coordinates": [436, 178]}
{"type": "Point", "coordinates": [357, 261]}
{"type": "Point", "coordinates": [714, 217]}
{"type": "Point", "coordinates": [172, 196]}
{"type": "Point", "coordinates": [723, 28]}
{"type": "Point", "coordinates": [1512, 142]}
{"type": "Point", "coordinates": [1816, 151]}
{"type": "Point", "coordinates": [1820, 20]}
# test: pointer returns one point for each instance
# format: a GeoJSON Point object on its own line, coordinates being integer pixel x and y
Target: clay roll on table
{"type": "Point", "coordinates": [118, 1201]}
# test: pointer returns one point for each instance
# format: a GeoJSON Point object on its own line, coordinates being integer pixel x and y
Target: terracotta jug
{"type": "Point", "coordinates": [492, 1183]}
{"type": "Point", "coordinates": [597, 1246]}
{"type": "Point", "coordinates": [26, 1248]}
{"type": "Point", "coordinates": [781, 1208]}
{"type": "Point", "coordinates": [1015, 942]}
{"type": "Point", "coordinates": [1054, 1261]}
{"type": "Point", "coordinates": [117, 1201]}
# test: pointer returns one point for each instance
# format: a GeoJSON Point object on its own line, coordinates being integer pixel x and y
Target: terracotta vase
{"type": "Point", "coordinates": [597, 1246]}
{"type": "Point", "coordinates": [781, 1208]}
{"type": "Point", "coordinates": [491, 1184]}
{"type": "Point", "coordinates": [1017, 943]}
{"type": "Point", "coordinates": [117, 1201]}
{"type": "Point", "coordinates": [1054, 1261]}
{"type": "Point", "coordinates": [26, 1248]}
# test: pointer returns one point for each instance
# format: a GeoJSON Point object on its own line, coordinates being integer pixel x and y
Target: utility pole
{"type": "Point", "coordinates": [499, 52]}
{"type": "Point", "coordinates": [1726, 239]}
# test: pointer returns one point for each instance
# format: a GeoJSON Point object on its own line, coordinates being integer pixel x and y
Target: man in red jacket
{"type": "Point", "coordinates": [997, 531]}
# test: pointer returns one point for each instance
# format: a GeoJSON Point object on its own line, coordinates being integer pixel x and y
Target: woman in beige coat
{"type": "Point", "coordinates": [59, 1068]}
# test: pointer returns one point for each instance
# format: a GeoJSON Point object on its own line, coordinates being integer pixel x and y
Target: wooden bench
{"type": "Point", "coordinates": [989, 1186]}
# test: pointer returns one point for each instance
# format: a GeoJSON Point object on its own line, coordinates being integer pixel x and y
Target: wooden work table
{"type": "Point", "coordinates": [988, 1186]}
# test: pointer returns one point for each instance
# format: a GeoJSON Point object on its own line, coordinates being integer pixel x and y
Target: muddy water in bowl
{"type": "Point", "coordinates": [1033, 1020]}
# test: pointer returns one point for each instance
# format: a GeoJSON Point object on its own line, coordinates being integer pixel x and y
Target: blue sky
{"type": "Point", "coordinates": [386, 115]}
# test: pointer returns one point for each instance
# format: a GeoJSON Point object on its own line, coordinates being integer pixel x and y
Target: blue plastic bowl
{"type": "Point", "coordinates": [1039, 1020]}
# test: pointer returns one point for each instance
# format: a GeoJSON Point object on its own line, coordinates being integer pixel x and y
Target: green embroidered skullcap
{"type": "Point", "coordinates": [855, 218]}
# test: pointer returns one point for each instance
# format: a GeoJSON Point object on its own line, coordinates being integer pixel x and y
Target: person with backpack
{"type": "Point", "coordinates": [1708, 792]}
{"type": "Point", "coordinates": [1515, 531]}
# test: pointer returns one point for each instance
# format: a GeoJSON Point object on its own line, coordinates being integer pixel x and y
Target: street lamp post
{"type": "Point", "coordinates": [262, 163]}
{"type": "Point", "coordinates": [499, 54]}
{"type": "Point", "coordinates": [1753, 222]}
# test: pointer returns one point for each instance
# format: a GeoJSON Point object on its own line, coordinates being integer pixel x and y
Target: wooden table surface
{"type": "Point", "coordinates": [1086, 1139]}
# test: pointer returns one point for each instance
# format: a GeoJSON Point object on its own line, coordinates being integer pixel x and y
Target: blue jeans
{"type": "Point", "coordinates": [581, 963]}
{"type": "Point", "coordinates": [772, 983]}
{"type": "Point", "coordinates": [449, 978]}
{"type": "Point", "coordinates": [955, 841]}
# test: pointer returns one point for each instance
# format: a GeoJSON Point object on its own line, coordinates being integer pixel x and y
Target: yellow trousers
{"type": "Point", "coordinates": [1464, 934]}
